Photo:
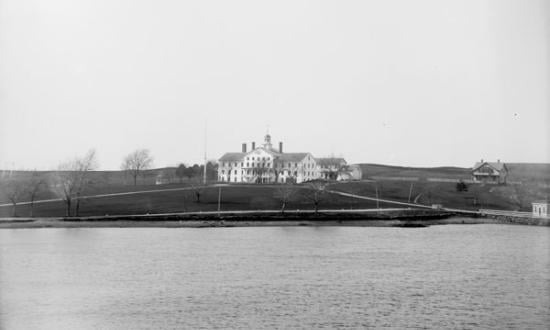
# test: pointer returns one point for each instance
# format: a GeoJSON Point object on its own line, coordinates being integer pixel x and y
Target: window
{"type": "Point", "coordinates": [223, 171]}
{"type": "Point", "coordinates": [235, 172]}
{"type": "Point", "coordinates": [242, 164]}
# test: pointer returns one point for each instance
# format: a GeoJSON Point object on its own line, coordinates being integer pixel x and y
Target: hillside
{"type": "Point", "coordinates": [533, 178]}
{"type": "Point", "coordinates": [518, 172]}
{"type": "Point", "coordinates": [379, 170]}
{"type": "Point", "coordinates": [243, 197]}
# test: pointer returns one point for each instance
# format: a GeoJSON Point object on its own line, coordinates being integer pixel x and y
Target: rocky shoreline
{"type": "Point", "coordinates": [374, 218]}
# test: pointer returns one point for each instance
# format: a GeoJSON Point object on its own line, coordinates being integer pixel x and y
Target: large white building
{"type": "Point", "coordinates": [265, 164]}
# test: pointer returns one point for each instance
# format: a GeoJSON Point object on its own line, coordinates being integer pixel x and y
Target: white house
{"type": "Point", "coordinates": [330, 167]}
{"type": "Point", "coordinates": [541, 208]}
{"type": "Point", "coordinates": [490, 172]}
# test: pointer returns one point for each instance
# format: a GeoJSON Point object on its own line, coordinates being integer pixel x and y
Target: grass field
{"type": "Point", "coordinates": [232, 198]}
{"type": "Point", "coordinates": [508, 197]}
{"type": "Point", "coordinates": [519, 172]}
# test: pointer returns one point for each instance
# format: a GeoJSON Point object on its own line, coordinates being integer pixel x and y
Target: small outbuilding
{"type": "Point", "coordinates": [541, 208]}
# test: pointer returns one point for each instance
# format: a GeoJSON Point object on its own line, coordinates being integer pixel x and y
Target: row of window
{"type": "Point", "coordinates": [263, 158]}
{"type": "Point", "coordinates": [308, 173]}
{"type": "Point", "coordinates": [254, 164]}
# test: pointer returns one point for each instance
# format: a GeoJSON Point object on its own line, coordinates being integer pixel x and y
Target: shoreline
{"type": "Point", "coordinates": [50, 223]}
{"type": "Point", "coordinates": [205, 223]}
{"type": "Point", "coordinates": [269, 218]}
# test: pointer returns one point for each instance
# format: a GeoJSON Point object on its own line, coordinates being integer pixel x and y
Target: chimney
{"type": "Point", "coordinates": [280, 147]}
{"type": "Point", "coordinates": [244, 148]}
{"type": "Point", "coordinates": [498, 161]}
{"type": "Point", "coordinates": [253, 145]}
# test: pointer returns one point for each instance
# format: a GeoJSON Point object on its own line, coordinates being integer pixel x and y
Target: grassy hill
{"type": "Point", "coordinates": [245, 197]}
{"type": "Point", "coordinates": [529, 172]}
{"type": "Point", "coordinates": [534, 179]}
{"type": "Point", "coordinates": [507, 197]}
{"type": "Point", "coordinates": [377, 170]}
{"type": "Point", "coordinates": [518, 172]}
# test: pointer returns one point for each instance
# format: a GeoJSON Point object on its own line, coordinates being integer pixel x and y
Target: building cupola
{"type": "Point", "coordinates": [267, 141]}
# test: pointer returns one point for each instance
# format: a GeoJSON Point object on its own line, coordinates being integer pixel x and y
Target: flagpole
{"type": "Point", "coordinates": [204, 174]}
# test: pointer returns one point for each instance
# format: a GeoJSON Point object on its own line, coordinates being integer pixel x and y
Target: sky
{"type": "Point", "coordinates": [414, 83]}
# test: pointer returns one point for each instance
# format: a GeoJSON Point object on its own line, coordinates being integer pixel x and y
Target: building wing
{"type": "Point", "coordinates": [292, 156]}
{"type": "Point", "coordinates": [330, 161]}
{"type": "Point", "coordinates": [232, 157]}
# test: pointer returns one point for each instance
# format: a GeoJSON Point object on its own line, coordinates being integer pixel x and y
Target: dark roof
{"type": "Point", "coordinates": [327, 161]}
{"type": "Point", "coordinates": [232, 157]}
{"type": "Point", "coordinates": [292, 156]}
{"type": "Point", "coordinates": [499, 166]}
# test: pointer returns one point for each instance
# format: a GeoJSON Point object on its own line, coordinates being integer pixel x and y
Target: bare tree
{"type": "Point", "coordinates": [34, 186]}
{"type": "Point", "coordinates": [72, 178]}
{"type": "Point", "coordinates": [136, 162]}
{"type": "Point", "coordinates": [284, 194]}
{"type": "Point", "coordinates": [316, 193]}
{"type": "Point", "coordinates": [84, 166]}
{"type": "Point", "coordinates": [14, 190]}
{"type": "Point", "coordinates": [198, 189]}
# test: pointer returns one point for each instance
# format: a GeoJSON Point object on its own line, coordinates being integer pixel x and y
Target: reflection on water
{"type": "Point", "coordinates": [455, 276]}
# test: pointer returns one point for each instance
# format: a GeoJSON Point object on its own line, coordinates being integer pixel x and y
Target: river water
{"type": "Point", "coordinates": [453, 276]}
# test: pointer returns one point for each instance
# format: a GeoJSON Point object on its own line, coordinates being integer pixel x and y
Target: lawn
{"type": "Point", "coordinates": [232, 198]}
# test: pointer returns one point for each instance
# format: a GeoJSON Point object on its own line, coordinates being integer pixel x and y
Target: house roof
{"type": "Point", "coordinates": [541, 202]}
{"type": "Point", "coordinates": [327, 161]}
{"type": "Point", "coordinates": [499, 166]}
{"type": "Point", "coordinates": [232, 157]}
{"type": "Point", "coordinates": [292, 156]}
{"type": "Point", "coordinates": [285, 157]}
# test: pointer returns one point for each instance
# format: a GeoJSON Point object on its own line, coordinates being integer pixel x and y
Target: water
{"type": "Point", "coordinates": [454, 276]}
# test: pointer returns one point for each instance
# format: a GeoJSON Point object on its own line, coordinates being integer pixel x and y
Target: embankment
{"type": "Point", "coordinates": [385, 217]}
{"type": "Point", "coordinates": [364, 218]}
{"type": "Point", "coordinates": [519, 220]}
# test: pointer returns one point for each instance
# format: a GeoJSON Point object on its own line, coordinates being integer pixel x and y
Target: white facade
{"type": "Point", "coordinates": [265, 164]}
{"type": "Point", "coordinates": [541, 209]}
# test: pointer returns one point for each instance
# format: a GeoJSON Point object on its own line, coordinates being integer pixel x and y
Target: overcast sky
{"type": "Point", "coordinates": [419, 83]}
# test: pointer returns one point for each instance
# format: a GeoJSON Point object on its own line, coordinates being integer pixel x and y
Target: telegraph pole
{"type": "Point", "coordinates": [377, 201]}
{"type": "Point", "coordinates": [204, 172]}
{"type": "Point", "coordinates": [219, 199]}
{"type": "Point", "coordinates": [410, 192]}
